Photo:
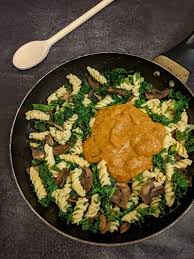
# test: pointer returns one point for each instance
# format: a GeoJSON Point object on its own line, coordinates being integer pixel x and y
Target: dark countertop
{"type": "Point", "coordinates": [145, 28]}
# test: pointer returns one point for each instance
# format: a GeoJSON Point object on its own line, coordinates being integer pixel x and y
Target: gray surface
{"type": "Point", "coordinates": [139, 27]}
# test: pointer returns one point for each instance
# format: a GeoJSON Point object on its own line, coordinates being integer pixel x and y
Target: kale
{"type": "Point", "coordinates": [35, 162]}
{"type": "Point", "coordinates": [139, 178]}
{"type": "Point", "coordinates": [65, 112]}
{"type": "Point", "coordinates": [160, 118]}
{"type": "Point", "coordinates": [188, 136]}
{"type": "Point", "coordinates": [90, 225]}
{"type": "Point", "coordinates": [158, 160]}
{"type": "Point", "coordinates": [44, 202]}
{"type": "Point", "coordinates": [181, 103]}
{"type": "Point", "coordinates": [145, 86]}
{"type": "Point", "coordinates": [40, 125]}
{"type": "Point", "coordinates": [59, 118]}
{"type": "Point", "coordinates": [58, 102]}
{"type": "Point", "coordinates": [181, 185]}
{"type": "Point", "coordinates": [43, 107]}
{"type": "Point", "coordinates": [116, 76]}
{"type": "Point", "coordinates": [121, 99]}
{"type": "Point", "coordinates": [47, 179]}
{"type": "Point", "coordinates": [139, 103]}
{"type": "Point", "coordinates": [66, 216]}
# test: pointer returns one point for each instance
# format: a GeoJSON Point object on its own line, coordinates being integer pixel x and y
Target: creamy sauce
{"type": "Point", "coordinates": [126, 138]}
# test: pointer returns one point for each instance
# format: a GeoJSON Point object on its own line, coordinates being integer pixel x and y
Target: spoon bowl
{"type": "Point", "coordinates": [31, 54]}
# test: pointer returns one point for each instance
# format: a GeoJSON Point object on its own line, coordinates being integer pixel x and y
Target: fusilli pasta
{"type": "Point", "coordinates": [74, 159]}
{"type": "Point", "coordinates": [104, 102]}
{"type": "Point", "coordinates": [94, 206]}
{"type": "Point", "coordinates": [76, 184]}
{"type": "Point", "coordinates": [96, 75]}
{"type": "Point", "coordinates": [37, 182]}
{"type": "Point", "coordinates": [49, 155]}
{"type": "Point", "coordinates": [103, 173]}
{"type": "Point", "coordinates": [79, 210]}
{"type": "Point", "coordinates": [37, 115]}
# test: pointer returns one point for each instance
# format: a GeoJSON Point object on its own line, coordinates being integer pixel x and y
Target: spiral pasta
{"type": "Point", "coordinates": [91, 123]}
{"type": "Point", "coordinates": [155, 203]}
{"type": "Point", "coordinates": [113, 226]}
{"type": "Point", "coordinates": [96, 75]}
{"type": "Point", "coordinates": [169, 140]}
{"type": "Point", "coordinates": [61, 196]}
{"type": "Point", "coordinates": [37, 115]}
{"type": "Point", "coordinates": [77, 149]}
{"type": "Point", "coordinates": [75, 82]}
{"type": "Point", "coordinates": [76, 184]}
{"type": "Point", "coordinates": [183, 163]}
{"type": "Point", "coordinates": [62, 165]}
{"type": "Point", "coordinates": [37, 182]}
{"type": "Point", "coordinates": [126, 85]}
{"type": "Point", "coordinates": [60, 136]}
{"type": "Point", "coordinates": [34, 144]}
{"type": "Point", "coordinates": [38, 135]}
{"type": "Point", "coordinates": [137, 80]}
{"type": "Point", "coordinates": [79, 210]}
{"type": "Point", "coordinates": [136, 189]}
{"type": "Point", "coordinates": [49, 155]}
{"type": "Point", "coordinates": [103, 173]}
{"type": "Point", "coordinates": [94, 206]}
{"type": "Point", "coordinates": [86, 101]}
{"type": "Point", "coordinates": [181, 150]}
{"type": "Point", "coordinates": [134, 215]}
{"type": "Point", "coordinates": [169, 171]}
{"type": "Point", "coordinates": [147, 175]}
{"type": "Point", "coordinates": [104, 102]}
{"type": "Point", "coordinates": [169, 193]}
{"type": "Point", "coordinates": [74, 159]}
{"type": "Point", "coordinates": [57, 94]}
{"type": "Point", "coordinates": [159, 176]}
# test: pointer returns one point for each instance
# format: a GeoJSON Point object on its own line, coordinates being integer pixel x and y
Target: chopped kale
{"type": "Point", "coordinates": [40, 125]}
{"type": "Point", "coordinates": [43, 107]}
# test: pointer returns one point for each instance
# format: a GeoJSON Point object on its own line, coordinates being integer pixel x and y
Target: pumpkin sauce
{"type": "Point", "coordinates": [126, 138]}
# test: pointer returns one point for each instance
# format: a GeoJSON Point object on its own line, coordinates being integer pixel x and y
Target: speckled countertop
{"type": "Point", "coordinates": [145, 28]}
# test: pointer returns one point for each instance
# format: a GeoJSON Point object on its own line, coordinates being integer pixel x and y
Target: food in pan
{"type": "Point", "coordinates": [110, 150]}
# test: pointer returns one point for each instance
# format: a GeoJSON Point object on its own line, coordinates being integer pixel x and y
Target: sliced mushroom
{"type": "Point", "coordinates": [94, 84]}
{"type": "Point", "coordinates": [60, 149]}
{"type": "Point", "coordinates": [65, 96]}
{"type": "Point", "coordinates": [93, 96]}
{"type": "Point", "coordinates": [177, 158]}
{"type": "Point", "coordinates": [49, 140]}
{"type": "Point", "coordinates": [86, 179]}
{"type": "Point", "coordinates": [124, 227]}
{"type": "Point", "coordinates": [37, 153]}
{"type": "Point", "coordinates": [157, 94]}
{"type": "Point", "coordinates": [55, 125]}
{"type": "Point", "coordinates": [28, 170]}
{"type": "Point", "coordinates": [103, 226]}
{"type": "Point", "coordinates": [145, 193]}
{"type": "Point", "coordinates": [121, 92]}
{"type": "Point", "coordinates": [61, 178]}
{"type": "Point", "coordinates": [121, 195]}
{"type": "Point", "coordinates": [72, 200]}
{"type": "Point", "coordinates": [157, 191]}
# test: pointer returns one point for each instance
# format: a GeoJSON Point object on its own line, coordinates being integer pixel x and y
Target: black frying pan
{"type": "Point", "coordinates": [20, 153]}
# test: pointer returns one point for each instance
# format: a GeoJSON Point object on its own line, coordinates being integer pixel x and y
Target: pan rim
{"type": "Point", "coordinates": [22, 194]}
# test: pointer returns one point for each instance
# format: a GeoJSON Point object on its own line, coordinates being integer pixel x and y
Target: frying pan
{"type": "Point", "coordinates": [183, 56]}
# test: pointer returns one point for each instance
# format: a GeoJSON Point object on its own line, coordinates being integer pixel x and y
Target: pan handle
{"type": "Point", "coordinates": [180, 59]}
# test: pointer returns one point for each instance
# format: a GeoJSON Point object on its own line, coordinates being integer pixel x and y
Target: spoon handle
{"type": "Point", "coordinates": [83, 18]}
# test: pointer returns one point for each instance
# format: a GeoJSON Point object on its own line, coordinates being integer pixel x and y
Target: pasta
{"type": "Point", "coordinates": [183, 163]}
{"type": "Point", "coordinates": [134, 215]}
{"type": "Point", "coordinates": [61, 196]}
{"type": "Point", "coordinates": [104, 102]}
{"type": "Point", "coordinates": [181, 150]}
{"type": "Point", "coordinates": [96, 75]}
{"type": "Point", "coordinates": [49, 155]}
{"type": "Point", "coordinates": [38, 135]}
{"type": "Point", "coordinates": [84, 158]}
{"type": "Point", "coordinates": [57, 94]}
{"type": "Point", "coordinates": [169, 193]}
{"type": "Point", "coordinates": [93, 207]}
{"type": "Point", "coordinates": [79, 210]}
{"type": "Point", "coordinates": [103, 173]}
{"type": "Point", "coordinates": [76, 184]}
{"type": "Point", "coordinates": [75, 82]}
{"type": "Point", "coordinates": [86, 100]}
{"type": "Point", "coordinates": [91, 123]}
{"type": "Point", "coordinates": [155, 205]}
{"type": "Point", "coordinates": [75, 159]}
{"type": "Point", "coordinates": [77, 149]}
{"type": "Point", "coordinates": [114, 226]}
{"type": "Point", "coordinates": [37, 182]}
{"type": "Point", "coordinates": [37, 115]}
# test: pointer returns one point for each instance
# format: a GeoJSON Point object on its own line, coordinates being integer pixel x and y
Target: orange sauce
{"type": "Point", "coordinates": [126, 138]}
